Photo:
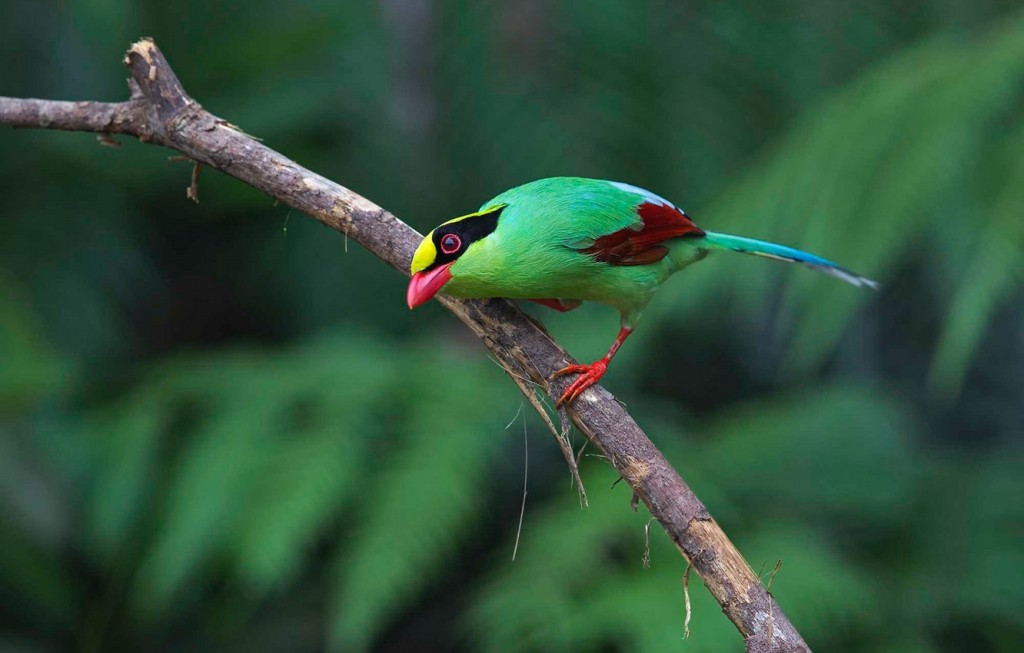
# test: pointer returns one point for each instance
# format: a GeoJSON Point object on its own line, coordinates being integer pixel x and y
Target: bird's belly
{"type": "Point", "coordinates": [587, 280]}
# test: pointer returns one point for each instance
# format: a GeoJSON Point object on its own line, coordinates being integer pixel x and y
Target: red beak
{"type": "Point", "coordinates": [425, 285]}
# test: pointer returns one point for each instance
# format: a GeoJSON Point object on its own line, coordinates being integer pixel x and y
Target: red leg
{"type": "Point", "coordinates": [560, 305]}
{"type": "Point", "coordinates": [589, 374]}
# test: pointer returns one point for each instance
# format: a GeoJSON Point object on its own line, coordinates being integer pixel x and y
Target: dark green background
{"type": "Point", "coordinates": [223, 430]}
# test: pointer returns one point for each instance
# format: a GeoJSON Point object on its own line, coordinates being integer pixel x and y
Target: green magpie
{"type": "Point", "coordinates": [565, 240]}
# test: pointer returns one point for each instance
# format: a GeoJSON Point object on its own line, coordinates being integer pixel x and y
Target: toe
{"type": "Point", "coordinates": [588, 376]}
{"type": "Point", "coordinates": [570, 369]}
{"type": "Point", "coordinates": [576, 389]}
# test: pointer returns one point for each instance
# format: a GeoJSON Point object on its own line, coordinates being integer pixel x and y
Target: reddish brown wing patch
{"type": "Point", "coordinates": [642, 246]}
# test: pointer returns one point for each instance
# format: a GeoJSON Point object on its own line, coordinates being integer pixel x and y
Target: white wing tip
{"type": "Point", "coordinates": [852, 278]}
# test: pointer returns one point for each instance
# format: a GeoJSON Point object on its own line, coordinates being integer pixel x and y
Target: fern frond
{"type": "Point", "coordinates": [415, 512]}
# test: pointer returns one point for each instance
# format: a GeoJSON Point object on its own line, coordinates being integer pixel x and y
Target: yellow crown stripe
{"type": "Point", "coordinates": [426, 253]}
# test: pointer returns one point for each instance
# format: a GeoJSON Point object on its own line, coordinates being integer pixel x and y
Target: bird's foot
{"type": "Point", "coordinates": [588, 376]}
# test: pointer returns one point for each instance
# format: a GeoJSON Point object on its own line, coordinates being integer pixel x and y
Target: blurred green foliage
{"type": "Point", "coordinates": [222, 430]}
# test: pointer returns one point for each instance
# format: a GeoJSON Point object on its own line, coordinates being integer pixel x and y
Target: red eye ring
{"type": "Point", "coordinates": [450, 243]}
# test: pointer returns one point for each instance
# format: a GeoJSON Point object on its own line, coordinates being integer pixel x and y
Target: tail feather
{"type": "Point", "coordinates": [714, 240]}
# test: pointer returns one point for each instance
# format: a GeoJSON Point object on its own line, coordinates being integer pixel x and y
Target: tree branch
{"type": "Point", "coordinates": [160, 111]}
{"type": "Point", "coordinates": [99, 117]}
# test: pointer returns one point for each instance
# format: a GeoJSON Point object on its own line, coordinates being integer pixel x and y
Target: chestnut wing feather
{"type": "Point", "coordinates": [642, 246]}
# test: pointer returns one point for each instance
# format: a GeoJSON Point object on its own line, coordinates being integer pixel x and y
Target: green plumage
{"type": "Point", "coordinates": [534, 252]}
{"type": "Point", "coordinates": [536, 249]}
{"type": "Point", "coordinates": [566, 239]}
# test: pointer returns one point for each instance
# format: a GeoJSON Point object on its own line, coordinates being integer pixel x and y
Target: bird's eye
{"type": "Point", "coordinates": [450, 243]}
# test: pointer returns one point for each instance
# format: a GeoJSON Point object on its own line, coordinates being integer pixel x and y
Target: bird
{"type": "Point", "coordinates": [561, 241]}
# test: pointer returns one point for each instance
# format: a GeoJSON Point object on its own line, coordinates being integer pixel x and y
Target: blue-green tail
{"type": "Point", "coordinates": [714, 240]}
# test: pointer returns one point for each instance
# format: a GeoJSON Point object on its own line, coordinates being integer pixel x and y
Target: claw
{"type": "Point", "coordinates": [588, 376]}
{"type": "Point", "coordinates": [572, 369]}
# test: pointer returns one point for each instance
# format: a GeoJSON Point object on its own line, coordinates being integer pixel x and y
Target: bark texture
{"type": "Point", "coordinates": [161, 112]}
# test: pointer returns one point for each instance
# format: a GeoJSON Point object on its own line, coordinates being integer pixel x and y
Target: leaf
{"type": "Point", "coordinates": [37, 586]}
{"type": "Point", "coordinates": [774, 452]}
{"type": "Point", "coordinates": [30, 366]}
{"type": "Point", "coordinates": [823, 591]}
{"type": "Point", "coordinates": [993, 270]}
{"type": "Point", "coordinates": [127, 437]}
{"type": "Point", "coordinates": [534, 603]}
{"type": "Point", "coordinates": [863, 179]}
{"type": "Point", "coordinates": [314, 473]}
{"type": "Point", "coordinates": [416, 511]}
{"type": "Point", "coordinates": [209, 486]}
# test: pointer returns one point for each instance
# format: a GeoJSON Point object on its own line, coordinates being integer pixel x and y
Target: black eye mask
{"type": "Point", "coordinates": [452, 240]}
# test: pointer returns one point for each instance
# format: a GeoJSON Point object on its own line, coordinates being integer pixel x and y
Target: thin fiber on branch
{"type": "Point", "coordinates": [162, 112]}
